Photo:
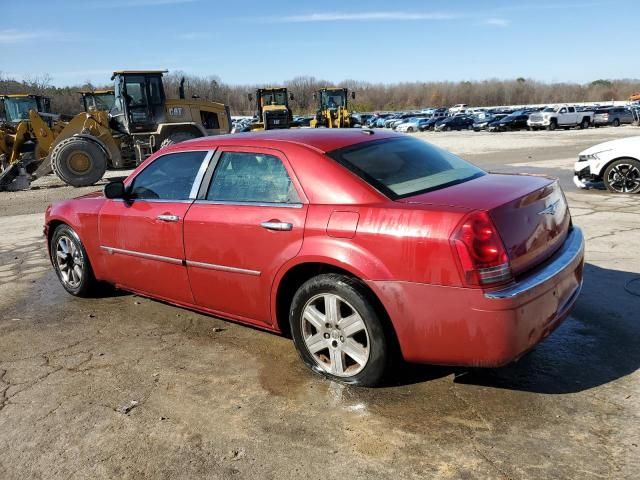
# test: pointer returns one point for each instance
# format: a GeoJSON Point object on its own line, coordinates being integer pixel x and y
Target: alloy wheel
{"type": "Point", "coordinates": [69, 261]}
{"type": "Point", "coordinates": [335, 335]}
{"type": "Point", "coordinates": [624, 178]}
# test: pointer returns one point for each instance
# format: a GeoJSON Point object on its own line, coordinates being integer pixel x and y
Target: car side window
{"type": "Point", "coordinates": [169, 177]}
{"type": "Point", "coordinates": [251, 177]}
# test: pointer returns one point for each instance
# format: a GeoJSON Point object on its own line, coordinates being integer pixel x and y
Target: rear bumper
{"type": "Point", "coordinates": [472, 327]}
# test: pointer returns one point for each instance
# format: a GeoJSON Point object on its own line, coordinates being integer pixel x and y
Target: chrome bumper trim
{"type": "Point", "coordinates": [571, 250]}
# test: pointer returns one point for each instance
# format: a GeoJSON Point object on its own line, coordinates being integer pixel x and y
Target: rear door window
{"type": "Point", "coordinates": [244, 177]}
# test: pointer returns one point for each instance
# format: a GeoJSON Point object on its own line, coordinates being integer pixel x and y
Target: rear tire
{"type": "Point", "coordinates": [616, 123]}
{"type": "Point", "coordinates": [585, 123]}
{"type": "Point", "coordinates": [345, 343]}
{"type": "Point", "coordinates": [71, 263]}
{"type": "Point", "coordinates": [177, 137]}
{"type": "Point", "coordinates": [79, 161]}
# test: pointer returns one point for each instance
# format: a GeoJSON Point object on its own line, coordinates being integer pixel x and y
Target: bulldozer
{"type": "Point", "coordinates": [332, 109]}
{"type": "Point", "coordinates": [140, 122]}
{"type": "Point", "coordinates": [273, 110]}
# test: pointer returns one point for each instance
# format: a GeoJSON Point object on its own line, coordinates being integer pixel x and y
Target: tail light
{"type": "Point", "coordinates": [483, 260]}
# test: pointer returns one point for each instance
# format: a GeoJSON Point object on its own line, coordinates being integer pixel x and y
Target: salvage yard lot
{"type": "Point", "coordinates": [122, 386]}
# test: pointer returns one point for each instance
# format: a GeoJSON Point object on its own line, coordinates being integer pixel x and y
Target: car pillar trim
{"type": "Point", "coordinates": [223, 268]}
{"type": "Point", "coordinates": [200, 175]}
{"type": "Point", "coordinates": [148, 256]}
{"type": "Point", "coordinates": [572, 250]}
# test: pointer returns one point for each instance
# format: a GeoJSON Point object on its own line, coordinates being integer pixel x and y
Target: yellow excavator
{"type": "Point", "coordinates": [333, 111]}
{"type": "Point", "coordinates": [140, 121]}
{"type": "Point", "coordinates": [273, 110]}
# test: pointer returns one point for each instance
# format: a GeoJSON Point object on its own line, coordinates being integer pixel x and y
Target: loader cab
{"type": "Point", "coordinates": [15, 108]}
{"type": "Point", "coordinates": [98, 100]}
{"type": "Point", "coordinates": [273, 107]}
{"type": "Point", "coordinates": [139, 101]}
{"type": "Point", "coordinates": [332, 98]}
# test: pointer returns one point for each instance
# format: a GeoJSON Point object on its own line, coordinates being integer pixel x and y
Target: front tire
{"type": "Point", "coordinates": [79, 161]}
{"type": "Point", "coordinates": [552, 126]}
{"type": "Point", "coordinates": [338, 332]}
{"type": "Point", "coordinates": [623, 176]}
{"type": "Point", "coordinates": [177, 137]}
{"type": "Point", "coordinates": [71, 262]}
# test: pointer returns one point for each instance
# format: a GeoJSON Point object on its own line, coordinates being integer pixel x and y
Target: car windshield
{"type": "Point", "coordinates": [549, 109]}
{"type": "Point", "coordinates": [401, 167]}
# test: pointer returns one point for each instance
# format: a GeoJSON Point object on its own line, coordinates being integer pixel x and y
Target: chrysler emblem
{"type": "Point", "coordinates": [551, 209]}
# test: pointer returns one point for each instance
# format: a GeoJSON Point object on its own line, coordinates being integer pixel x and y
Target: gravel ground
{"type": "Point", "coordinates": [125, 387]}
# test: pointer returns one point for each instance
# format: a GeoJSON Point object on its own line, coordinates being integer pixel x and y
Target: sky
{"type": "Point", "coordinates": [258, 42]}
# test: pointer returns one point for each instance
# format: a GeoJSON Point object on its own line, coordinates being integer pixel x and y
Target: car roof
{"type": "Point", "coordinates": [320, 139]}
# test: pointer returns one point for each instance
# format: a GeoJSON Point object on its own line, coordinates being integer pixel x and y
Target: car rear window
{"type": "Point", "coordinates": [401, 167]}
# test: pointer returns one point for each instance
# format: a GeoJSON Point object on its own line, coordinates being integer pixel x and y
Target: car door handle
{"type": "Point", "coordinates": [276, 225]}
{"type": "Point", "coordinates": [168, 218]}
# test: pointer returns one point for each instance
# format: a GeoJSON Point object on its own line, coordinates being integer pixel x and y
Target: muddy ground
{"type": "Point", "coordinates": [125, 387]}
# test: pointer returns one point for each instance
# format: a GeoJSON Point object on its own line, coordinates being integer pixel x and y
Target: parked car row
{"type": "Point", "coordinates": [549, 118]}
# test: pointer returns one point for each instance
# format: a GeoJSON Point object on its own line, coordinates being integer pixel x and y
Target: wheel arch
{"type": "Point", "coordinates": [291, 279]}
{"type": "Point", "coordinates": [166, 129]}
{"type": "Point", "coordinates": [609, 162]}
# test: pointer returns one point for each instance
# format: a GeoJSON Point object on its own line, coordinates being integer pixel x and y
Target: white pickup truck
{"type": "Point", "coordinates": [563, 116]}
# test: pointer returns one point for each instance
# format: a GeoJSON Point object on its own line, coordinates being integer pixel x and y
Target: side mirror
{"type": "Point", "coordinates": [115, 189]}
{"type": "Point", "coordinates": [353, 95]}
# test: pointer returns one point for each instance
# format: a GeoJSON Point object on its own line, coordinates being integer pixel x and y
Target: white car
{"type": "Point", "coordinates": [615, 163]}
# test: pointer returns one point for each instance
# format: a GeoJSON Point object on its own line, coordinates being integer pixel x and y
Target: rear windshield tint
{"type": "Point", "coordinates": [401, 167]}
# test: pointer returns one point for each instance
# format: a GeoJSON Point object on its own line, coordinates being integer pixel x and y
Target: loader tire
{"type": "Point", "coordinates": [78, 161]}
{"type": "Point", "coordinates": [177, 137]}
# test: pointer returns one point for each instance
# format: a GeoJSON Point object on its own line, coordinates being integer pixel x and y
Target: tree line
{"type": "Point", "coordinates": [369, 96]}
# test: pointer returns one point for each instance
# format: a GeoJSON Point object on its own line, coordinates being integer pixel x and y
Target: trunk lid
{"type": "Point", "coordinates": [529, 211]}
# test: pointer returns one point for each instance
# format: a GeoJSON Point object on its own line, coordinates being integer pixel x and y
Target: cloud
{"type": "Point", "coordinates": [497, 22]}
{"type": "Point", "coordinates": [137, 3]}
{"type": "Point", "coordinates": [15, 36]}
{"type": "Point", "coordinates": [361, 17]}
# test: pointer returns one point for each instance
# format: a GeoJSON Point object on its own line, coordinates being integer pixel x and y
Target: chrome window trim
{"type": "Point", "coordinates": [569, 253]}
{"type": "Point", "coordinates": [223, 268]}
{"type": "Point", "coordinates": [148, 256]}
{"type": "Point", "coordinates": [200, 175]}
{"type": "Point", "coordinates": [150, 200]}
{"type": "Point", "coordinates": [250, 204]}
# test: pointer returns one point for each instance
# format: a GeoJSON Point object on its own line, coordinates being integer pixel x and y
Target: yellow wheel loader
{"type": "Point", "coordinates": [273, 110]}
{"type": "Point", "coordinates": [27, 132]}
{"type": "Point", "coordinates": [140, 121]}
{"type": "Point", "coordinates": [333, 111]}
{"type": "Point", "coordinates": [97, 100]}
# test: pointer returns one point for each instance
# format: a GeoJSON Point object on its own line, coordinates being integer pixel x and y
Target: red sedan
{"type": "Point", "coordinates": [357, 243]}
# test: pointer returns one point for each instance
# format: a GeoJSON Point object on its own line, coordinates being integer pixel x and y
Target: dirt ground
{"type": "Point", "coordinates": [125, 387]}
